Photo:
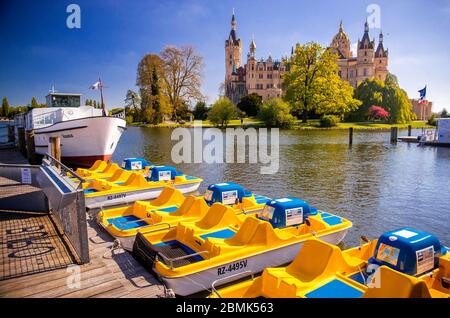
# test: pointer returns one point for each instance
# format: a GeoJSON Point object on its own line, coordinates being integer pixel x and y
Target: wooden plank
{"type": "Point", "coordinates": [94, 290]}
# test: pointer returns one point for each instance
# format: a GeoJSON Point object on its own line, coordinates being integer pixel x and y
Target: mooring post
{"type": "Point", "coordinates": [409, 130]}
{"type": "Point", "coordinates": [55, 148]}
{"type": "Point", "coordinates": [22, 141]}
{"type": "Point", "coordinates": [350, 136]}
{"type": "Point", "coordinates": [31, 150]}
{"type": "Point", "coordinates": [11, 136]}
{"type": "Point", "coordinates": [394, 134]}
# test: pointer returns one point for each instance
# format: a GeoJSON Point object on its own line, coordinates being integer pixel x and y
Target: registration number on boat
{"type": "Point", "coordinates": [116, 196]}
{"type": "Point", "coordinates": [231, 267]}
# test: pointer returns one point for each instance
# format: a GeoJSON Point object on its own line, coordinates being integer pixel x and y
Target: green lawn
{"type": "Point", "coordinates": [311, 124]}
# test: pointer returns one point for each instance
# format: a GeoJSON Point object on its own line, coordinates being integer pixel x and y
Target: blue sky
{"type": "Point", "coordinates": [38, 49]}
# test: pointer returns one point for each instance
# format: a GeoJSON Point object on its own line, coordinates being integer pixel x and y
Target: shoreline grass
{"type": "Point", "coordinates": [298, 125]}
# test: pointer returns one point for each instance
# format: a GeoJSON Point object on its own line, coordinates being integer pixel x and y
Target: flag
{"type": "Point", "coordinates": [96, 85]}
{"type": "Point", "coordinates": [423, 93]}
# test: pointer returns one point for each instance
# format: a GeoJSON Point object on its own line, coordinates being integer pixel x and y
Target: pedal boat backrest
{"type": "Point", "coordinates": [169, 195]}
{"type": "Point", "coordinates": [120, 174]}
{"type": "Point", "coordinates": [219, 215]}
{"type": "Point", "coordinates": [136, 180]}
{"type": "Point", "coordinates": [393, 284]}
{"type": "Point", "coordinates": [192, 207]}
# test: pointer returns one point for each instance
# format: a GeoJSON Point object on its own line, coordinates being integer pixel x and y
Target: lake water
{"type": "Point", "coordinates": [379, 186]}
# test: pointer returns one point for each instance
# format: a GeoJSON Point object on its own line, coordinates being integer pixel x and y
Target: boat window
{"type": "Point", "coordinates": [65, 101]}
{"type": "Point", "coordinates": [388, 254]}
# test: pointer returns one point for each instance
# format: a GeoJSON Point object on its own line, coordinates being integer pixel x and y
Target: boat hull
{"type": "Point", "coordinates": [200, 281]}
{"type": "Point", "coordinates": [84, 140]}
{"type": "Point", "coordinates": [126, 197]}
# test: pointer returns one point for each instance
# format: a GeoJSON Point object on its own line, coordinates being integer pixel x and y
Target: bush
{"type": "Point", "coordinates": [221, 112]}
{"type": "Point", "coordinates": [250, 104]}
{"type": "Point", "coordinates": [275, 112]}
{"type": "Point", "coordinates": [432, 120]}
{"type": "Point", "coordinates": [329, 121]}
{"type": "Point", "coordinates": [200, 111]}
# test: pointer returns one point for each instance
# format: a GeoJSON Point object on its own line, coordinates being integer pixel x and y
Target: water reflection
{"type": "Point", "coordinates": [377, 185]}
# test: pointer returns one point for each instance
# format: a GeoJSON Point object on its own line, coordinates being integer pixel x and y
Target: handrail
{"type": "Point", "coordinates": [65, 168]}
{"type": "Point", "coordinates": [213, 287]}
{"type": "Point", "coordinates": [171, 260]}
{"type": "Point", "coordinates": [150, 225]}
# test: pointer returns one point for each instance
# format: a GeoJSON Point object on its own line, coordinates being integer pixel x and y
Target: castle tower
{"type": "Point", "coordinates": [365, 56]}
{"type": "Point", "coordinates": [341, 43]}
{"type": "Point", "coordinates": [381, 60]}
{"type": "Point", "coordinates": [233, 50]}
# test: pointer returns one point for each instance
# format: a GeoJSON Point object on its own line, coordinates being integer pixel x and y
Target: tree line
{"type": "Point", "coordinates": [8, 111]}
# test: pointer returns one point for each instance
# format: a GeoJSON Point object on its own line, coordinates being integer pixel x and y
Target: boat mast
{"type": "Point", "coordinates": [101, 96]}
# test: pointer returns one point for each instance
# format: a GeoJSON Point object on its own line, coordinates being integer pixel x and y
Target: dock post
{"type": "Point", "coordinates": [55, 147]}
{"type": "Point", "coordinates": [11, 136]}
{"type": "Point", "coordinates": [409, 130]}
{"type": "Point", "coordinates": [31, 150]}
{"type": "Point", "coordinates": [22, 141]}
{"type": "Point", "coordinates": [350, 136]}
{"type": "Point", "coordinates": [394, 134]}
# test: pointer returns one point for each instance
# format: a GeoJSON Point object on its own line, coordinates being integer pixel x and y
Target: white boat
{"type": "Point", "coordinates": [85, 134]}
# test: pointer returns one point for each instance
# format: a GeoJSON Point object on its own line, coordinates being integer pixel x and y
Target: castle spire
{"type": "Point", "coordinates": [341, 27]}
{"type": "Point", "coordinates": [233, 21]}
{"type": "Point", "coordinates": [381, 36]}
{"type": "Point", "coordinates": [366, 26]}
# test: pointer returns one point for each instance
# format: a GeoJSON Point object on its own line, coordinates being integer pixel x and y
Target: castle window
{"type": "Point", "coordinates": [380, 61]}
{"type": "Point", "coordinates": [253, 67]}
{"type": "Point", "coordinates": [269, 75]}
{"type": "Point", "coordinates": [340, 74]}
{"type": "Point", "coordinates": [260, 75]}
{"type": "Point", "coordinates": [365, 53]}
{"type": "Point", "coordinates": [365, 72]}
{"type": "Point", "coordinates": [351, 73]}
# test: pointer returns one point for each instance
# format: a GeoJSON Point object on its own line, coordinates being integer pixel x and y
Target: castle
{"type": "Point", "coordinates": [264, 77]}
{"type": "Point", "coordinates": [368, 63]}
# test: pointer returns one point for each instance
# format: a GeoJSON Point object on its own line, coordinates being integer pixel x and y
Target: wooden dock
{"type": "Point", "coordinates": [36, 259]}
{"type": "Point", "coordinates": [45, 268]}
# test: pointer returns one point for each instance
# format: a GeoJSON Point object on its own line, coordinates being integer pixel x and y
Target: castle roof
{"type": "Point", "coordinates": [366, 39]}
{"type": "Point", "coordinates": [381, 52]}
{"type": "Point", "coordinates": [341, 35]}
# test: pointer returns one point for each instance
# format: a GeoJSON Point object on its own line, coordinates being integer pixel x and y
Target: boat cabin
{"type": "Point", "coordinates": [227, 193]}
{"type": "Point", "coordinates": [63, 100]}
{"type": "Point", "coordinates": [288, 211]}
{"type": "Point", "coordinates": [163, 173]}
{"type": "Point", "coordinates": [409, 251]}
{"type": "Point", "coordinates": [60, 107]}
{"type": "Point", "coordinates": [135, 163]}
{"type": "Point", "coordinates": [443, 130]}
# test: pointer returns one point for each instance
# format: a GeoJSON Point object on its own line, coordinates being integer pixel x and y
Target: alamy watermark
{"type": "Point", "coordinates": [228, 146]}
{"type": "Point", "coordinates": [374, 17]}
{"type": "Point", "coordinates": [73, 20]}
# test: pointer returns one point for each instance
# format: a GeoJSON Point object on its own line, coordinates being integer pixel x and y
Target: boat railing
{"type": "Point", "coordinates": [154, 225]}
{"type": "Point", "coordinates": [119, 115]}
{"type": "Point", "coordinates": [175, 259]}
{"type": "Point", "coordinates": [224, 279]}
{"type": "Point", "coordinates": [64, 170]}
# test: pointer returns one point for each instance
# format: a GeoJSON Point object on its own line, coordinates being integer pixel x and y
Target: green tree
{"type": "Point", "coordinates": [312, 84]}
{"type": "Point", "coordinates": [250, 104]}
{"type": "Point", "coordinates": [94, 104]}
{"type": "Point", "coordinates": [88, 102]}
{"type": "Point", "coordinates": [5, 108]}
{"type": "Point", "coordinates": [275, 112]}
{"type": "Point", "coordinates": [396, 101]}
{"type": "Point", "coordinates": [444, 113]}
{"type": "Point", "coordinates": [221, 112]}
{"type": "Point", "coordinates": [148, 81]}
{"type": "Point", "coordinates": [369, 92]}
{"type": "Point", "coordinates": [34, 103]}
{"type": "Point", "coordinates": [200, 110]}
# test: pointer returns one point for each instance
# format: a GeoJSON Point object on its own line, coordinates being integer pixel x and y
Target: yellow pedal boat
{"type": "Point", "coordinates": [191, 256]}
{"type": "Point", "coordinates": [112, 172]}
{"type": "Point", "coordinates": [101, 193]}
{"type": "Point", "coordinates": [404, 263]}
{"type": "Point", "coordinates": [171, 207]}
